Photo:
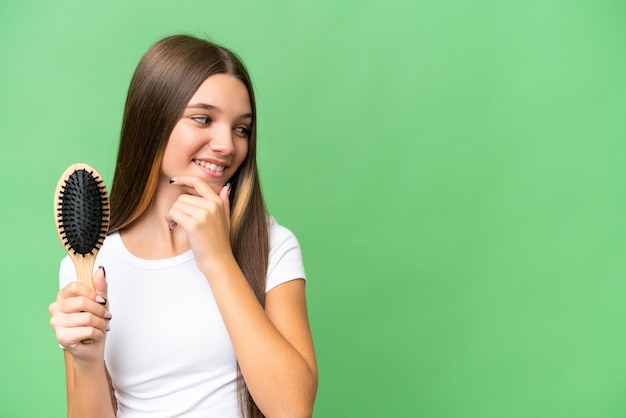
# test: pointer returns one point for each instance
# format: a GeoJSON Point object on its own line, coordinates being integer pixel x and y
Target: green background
{"type": "Point", "coordinates": [454, 171]}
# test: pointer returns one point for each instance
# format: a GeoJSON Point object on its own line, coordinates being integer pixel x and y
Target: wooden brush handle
{"type": "Point", "coordinates": [84, 274]}
{"type": "Point", "coordinates": [84, 268]}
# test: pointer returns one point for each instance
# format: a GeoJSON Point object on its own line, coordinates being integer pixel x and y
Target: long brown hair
{"type": "Point", "coordinates": [166, 78]}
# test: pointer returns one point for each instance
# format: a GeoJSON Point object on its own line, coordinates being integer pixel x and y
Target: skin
{"type": "Point", "coordinates": [273, 344]}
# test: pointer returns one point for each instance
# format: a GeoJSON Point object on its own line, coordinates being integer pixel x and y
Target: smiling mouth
{"type": "Point", "coordinates": [210, 166]}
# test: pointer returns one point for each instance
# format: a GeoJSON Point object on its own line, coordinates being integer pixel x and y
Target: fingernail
{"type": "Point", "coordinates": [108, 316]}
{"type": "Point", "coordinates": [102, 301]}
{"type": "Point", "coordinates": [108, 328]}
{"type": "Point", "coordinates": [103, 270]}
{"type": "Point", "coordinates": [172, 180]}
{"type": "Point", "coordinates": [229, 187]}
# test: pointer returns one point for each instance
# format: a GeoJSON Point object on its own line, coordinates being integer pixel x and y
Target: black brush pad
{"type": "Point", "coordinates": [82, 207]}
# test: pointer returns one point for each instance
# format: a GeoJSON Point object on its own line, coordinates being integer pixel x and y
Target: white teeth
{"type": "Point", "coordinates": [210, 166]}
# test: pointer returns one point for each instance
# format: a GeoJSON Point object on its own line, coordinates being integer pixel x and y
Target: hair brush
{"type": "Point", "coordinates": [81, 212]}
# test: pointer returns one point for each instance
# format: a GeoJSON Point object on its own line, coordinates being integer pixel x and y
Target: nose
{"type": "Point", "coordinates": [222, 141]}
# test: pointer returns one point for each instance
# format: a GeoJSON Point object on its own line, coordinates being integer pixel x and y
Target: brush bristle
{"type": "Point", "coordinates": [82, 212]}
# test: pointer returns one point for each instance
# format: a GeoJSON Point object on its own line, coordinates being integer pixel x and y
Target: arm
{"type": "Point", "coordinates": [78, 315]}
{"type": "Point", "coordinates": [273, 346]}
{"type": "Point", "coordinates": [99, 396]}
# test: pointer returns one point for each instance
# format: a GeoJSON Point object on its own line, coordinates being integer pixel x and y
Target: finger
{"type": "Point", "coordinates": [195, 205]}
{"type": "Point", "coordinates": [79, 305]}
{"type": "Point", "coordinates": [187, 216]}
{"type": "Point", "coordinates": [196, 209]}
{"type": "Point", "coordinates": [69, 337]}
{"type": "Point", "coordinates": [81, 300]}
{"type": "Point", "coordinates": [200, 187]}
{"type": "Point", "coordinates": [71, 329]}
{"type": "Point", "coordinates": [78, 320]}
{"type": "Point", "coordinates": [74, 289]}
{"type": "Point", "coordinates": [197, 200]}
{"type": "Point", "coordinates": [225, 196]}
{"type": "Point", "coordinates": [100, 286]}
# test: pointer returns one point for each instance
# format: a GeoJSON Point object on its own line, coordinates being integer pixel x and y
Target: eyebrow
{"type": "Point", "coordinates": [214, 108]}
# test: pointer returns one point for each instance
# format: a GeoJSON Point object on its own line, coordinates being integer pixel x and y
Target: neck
{"type": "Point", "coordinates": [150, 236]}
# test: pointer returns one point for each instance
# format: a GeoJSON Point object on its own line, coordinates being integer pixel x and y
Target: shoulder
{"type": "Point", "coordinates": [278, 234]}
{"type": "Point", "coordinates": [285, 258]}
{"type": "Point", "coordinates": [282, 241]}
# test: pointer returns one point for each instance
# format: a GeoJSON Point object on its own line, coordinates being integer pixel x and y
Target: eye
{"type": "Point", "coordinates": [243, 131]}
{"type": "Point", "coordinates": [204, 120]}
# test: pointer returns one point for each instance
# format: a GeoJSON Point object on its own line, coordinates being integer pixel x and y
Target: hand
{"type": "Point", "coordinates": [205, 217]}
{"type": "Point", "coordinates": [80, 318]}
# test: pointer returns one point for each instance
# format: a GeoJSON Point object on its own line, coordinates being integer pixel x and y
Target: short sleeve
{"type": "Point", "coordinates": [285, 258]}
{"type": "Point", "coordinates": [67, 272]}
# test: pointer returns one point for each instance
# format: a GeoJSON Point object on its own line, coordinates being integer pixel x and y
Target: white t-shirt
{"type": "Point", "coordinates": [168, 351]}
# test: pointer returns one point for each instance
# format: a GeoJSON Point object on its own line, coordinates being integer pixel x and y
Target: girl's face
{"type": "Point", "coordinates": [210, 140]}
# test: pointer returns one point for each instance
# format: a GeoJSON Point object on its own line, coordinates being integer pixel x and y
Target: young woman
{"type": "Point", "coordinates": [206, 289]}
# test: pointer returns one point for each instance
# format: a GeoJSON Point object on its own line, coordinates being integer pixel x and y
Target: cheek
{"type": "Point", "coordinates": [241, 151]}
{"type": "Point", "coordinates": [168, 161]}
{"type": "Point", "coordinates": [177, 145]}
{"type": "Point", "coordinates": [181, 137]}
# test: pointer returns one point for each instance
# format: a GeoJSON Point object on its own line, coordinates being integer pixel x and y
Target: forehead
{"type": "Point", "coordinates": [223, 91]}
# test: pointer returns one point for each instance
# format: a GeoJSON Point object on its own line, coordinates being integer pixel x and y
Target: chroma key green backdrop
{"type": "Point", "coordinates": [455, 172]}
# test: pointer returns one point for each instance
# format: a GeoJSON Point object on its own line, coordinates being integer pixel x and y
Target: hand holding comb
{"type": "Point", "coordinates": [81, 212]}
